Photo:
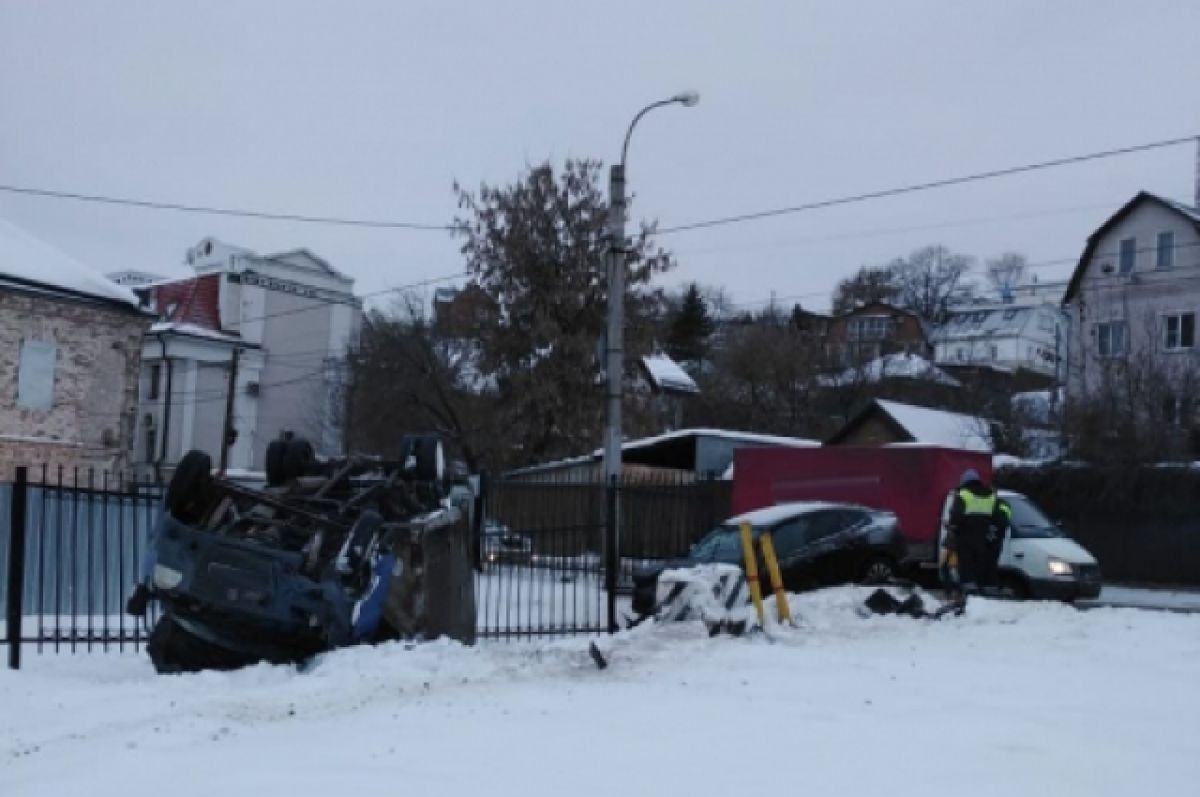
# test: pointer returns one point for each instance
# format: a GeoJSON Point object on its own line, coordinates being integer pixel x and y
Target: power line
{"type": "Point", "coordinates": [218, 211]}
{"type": "Point", "coordinates": [915, 187]}
{"type": "Point", "coordinates": [883, 231]}
{"type": "Point", "coordinates": [1036, 265]}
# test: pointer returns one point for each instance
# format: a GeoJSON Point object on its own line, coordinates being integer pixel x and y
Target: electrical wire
{"type": "Point", "coordinates": [219, 211]}
{"type": "Point", "coordinates": [926, 186]}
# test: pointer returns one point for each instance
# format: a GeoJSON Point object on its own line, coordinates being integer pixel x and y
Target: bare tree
{"type": "Point", "coordinates": [1006, 271]}
{"type": "Point", "coordinates": [928, 278]}
{"type": "Point", "coordinates": [867, 285]}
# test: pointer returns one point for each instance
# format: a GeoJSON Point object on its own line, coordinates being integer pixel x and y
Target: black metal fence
{"type": "Point", "coordinates": [73, 550]}
{"type": "Point", "coordinates": [550, 562]}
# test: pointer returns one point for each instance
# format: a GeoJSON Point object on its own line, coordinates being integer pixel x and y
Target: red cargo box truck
{"type": "Point", "coordinates": [911, 481]}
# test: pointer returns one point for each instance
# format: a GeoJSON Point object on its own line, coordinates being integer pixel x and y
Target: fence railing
{"type": "Point", "coordinates": [547, 565]}
{"type": "Point", "coordinates": [75, 547]}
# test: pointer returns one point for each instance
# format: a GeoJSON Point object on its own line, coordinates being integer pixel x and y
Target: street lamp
{"type": "Point", "coordinates": [616, 291]}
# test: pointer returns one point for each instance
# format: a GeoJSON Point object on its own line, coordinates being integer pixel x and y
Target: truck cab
{"type": "Point", "coordinates": [1038, 560]}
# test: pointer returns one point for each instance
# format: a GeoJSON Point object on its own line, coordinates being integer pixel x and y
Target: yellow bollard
{"type": "Point", "coordinates": [781, 604]}
{"type": "Point", "coordinates": [752, 571]}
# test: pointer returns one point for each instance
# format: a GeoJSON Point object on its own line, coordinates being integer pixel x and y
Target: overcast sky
{"type": "Point", "coordinates": [373, 109]}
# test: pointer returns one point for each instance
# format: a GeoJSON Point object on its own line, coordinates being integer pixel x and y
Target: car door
{"type": "Point", "coordinates": [791, 539]}
{"type": "Point", "coordinates": [844, 548]}
{"type": "Point", "coordinates": [826, 547]}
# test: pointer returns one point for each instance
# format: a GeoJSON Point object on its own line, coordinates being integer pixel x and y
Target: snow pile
{"type": "Point", "coordinates": [891, 366]}
{"type": "Point", "coordinates": [28, 259]}
{"type": "Point", "coordinates": [1011, 699]}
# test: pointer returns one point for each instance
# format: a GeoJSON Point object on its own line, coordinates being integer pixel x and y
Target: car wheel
{"type": "Point", "coordinates": [878, 570]}
{"type": "Point", "coordinates": [190, 487]}
{"type": "Point", "coordinates": [1014, 586]}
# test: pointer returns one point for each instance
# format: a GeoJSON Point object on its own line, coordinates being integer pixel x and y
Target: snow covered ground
{"type": "Point", "coordinates": [1149, 598]}
{"type": "Point", "coordinates": [1013, 698]}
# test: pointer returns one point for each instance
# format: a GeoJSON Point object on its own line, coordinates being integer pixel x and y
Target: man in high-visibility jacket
{"type": "Point", "coordinates": [978, 521]}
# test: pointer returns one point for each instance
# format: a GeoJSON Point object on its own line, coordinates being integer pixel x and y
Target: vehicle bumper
{"type": "Point", "coordinates": [1063, 589]}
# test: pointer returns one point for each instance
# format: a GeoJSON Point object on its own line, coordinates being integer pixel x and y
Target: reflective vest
{"type": "Point", "coordinates": [976, 504]}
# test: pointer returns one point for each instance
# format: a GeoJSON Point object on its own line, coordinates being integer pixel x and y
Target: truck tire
{"type": "Point", "coordinates": [429, 454]}
{"type": "Point", "coordinates": [190, 487]}
{"type": "Point", "coordinates": [1014, 585]}
{"type": "Point", "coordinates": [288, 459]}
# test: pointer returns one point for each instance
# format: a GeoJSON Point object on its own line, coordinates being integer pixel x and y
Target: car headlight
{"type": "Point", "coordinates": [166, 577]}
{"type": "Point", "coordinates": [1058, 567]}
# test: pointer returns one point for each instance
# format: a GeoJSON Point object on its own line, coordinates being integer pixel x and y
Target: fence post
{"type": "Point", "coordinates": [16, 566]}
{"type": "Point", "coordinates": [611, 559]}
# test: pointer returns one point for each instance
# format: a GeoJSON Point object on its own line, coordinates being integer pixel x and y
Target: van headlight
{"type": "Point", "coordinates": [166, 577]}
{"type": "Point", "coordinates": [1058, 567]}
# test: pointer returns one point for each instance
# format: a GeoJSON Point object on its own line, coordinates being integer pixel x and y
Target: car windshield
{"type": "Point", "coordinates": [1028, 520]}
{"type": "Point", "coordinates": [722, 544]}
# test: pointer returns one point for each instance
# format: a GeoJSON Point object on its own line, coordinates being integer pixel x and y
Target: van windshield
{"type": "Point", "coordinates": [1028, 520]}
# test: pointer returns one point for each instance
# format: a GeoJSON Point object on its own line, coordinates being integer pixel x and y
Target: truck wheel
{"type": "Point", "coordinates": [287, 460]}
{"type": "Point", "coordinates": [190, 487]}
{"type": "Point", "coordinates": [1015, 586]}
{"type": "Point", "coordinates": [878, 570]}
{"type": "Point", "coordinates": [430, 456]}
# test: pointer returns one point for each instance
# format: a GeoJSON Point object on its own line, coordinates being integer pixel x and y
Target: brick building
{"type": "Point", "coordinates": [70, 350]}
{"type": "Point", "coordinates": [874, 330]}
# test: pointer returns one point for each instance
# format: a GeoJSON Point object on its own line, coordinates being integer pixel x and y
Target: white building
{"type": "Point", "coordinates": [290, 317]}
{"type": "Point", "coordinates": [1018, 336]}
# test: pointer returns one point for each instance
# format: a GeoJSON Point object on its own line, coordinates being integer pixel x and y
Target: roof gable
{"type": "Point", "coordinates": [923, 425]}
{"type": "Point", "coordinates": [1190, 214]}
{"type": "Point", "coordinates": [305, 260]}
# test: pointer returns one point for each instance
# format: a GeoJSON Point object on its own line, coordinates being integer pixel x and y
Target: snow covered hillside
{"type": "Point", "coordinates": [1010, 699]}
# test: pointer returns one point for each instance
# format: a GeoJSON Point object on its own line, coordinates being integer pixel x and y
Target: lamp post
{"type": "Point", "coordinates": [616, 293]}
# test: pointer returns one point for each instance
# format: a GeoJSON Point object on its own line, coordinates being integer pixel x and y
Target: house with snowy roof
{"type": "Point", "coordinates": [1019, 336]}
{"type": "Point", "coordinates": [885, 422]}
{"type": "Point", "coordinates": [290, 317]}
{"type": "Point", "coordinates": [1134, 296]}
{"type": "Point", "coordinates": [70, 350]}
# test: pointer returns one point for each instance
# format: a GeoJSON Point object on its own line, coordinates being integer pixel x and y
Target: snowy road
{"type": "Point", "coordinates": [1011, 699]}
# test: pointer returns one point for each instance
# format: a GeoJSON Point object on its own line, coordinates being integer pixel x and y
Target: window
{"type": "Point", "coordinates": [1128, 253]}
{"type": "Point", "coordinates": [151, 438]}
{"type": "Point", "coordinates": [1179, 331]}
{"type": "Point", "coordinates": [790, 537]}
{"type": "Point", "coordinates": [994, 352]}
{"type": "Point", "coordinates": [871, 327]}
{"type": "Point", "coordinates": [980, 317]}
{"type": "Point", "coordinates": [35, 375]}
{"type": "Point", "coordinates": [822, 525]}
{"type": "Point", "coordinates": [154, 379]}
{"type": "Point", "coordinates": [722, 544]}
{"type": "Point", "coordinates": [960, 354]}
{"type": "Point", "coordinates": [1046, 323]}
{"type": "Point", "coordinates": [1110, 338]}
{"type": "Point", "coordinates": [1166, 250]}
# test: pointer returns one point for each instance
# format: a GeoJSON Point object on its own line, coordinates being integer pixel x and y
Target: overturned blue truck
{"type": "Point", "coordinates": [328, 554]}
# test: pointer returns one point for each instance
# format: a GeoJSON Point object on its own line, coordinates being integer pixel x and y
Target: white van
{"type": "Point", "coordinates": [1038, 560]}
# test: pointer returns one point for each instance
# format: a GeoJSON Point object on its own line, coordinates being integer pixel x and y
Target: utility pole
{"type": "Point", "coordinates": [615, 366]}
{"type": "Point", "coordinates": [227, 432]}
